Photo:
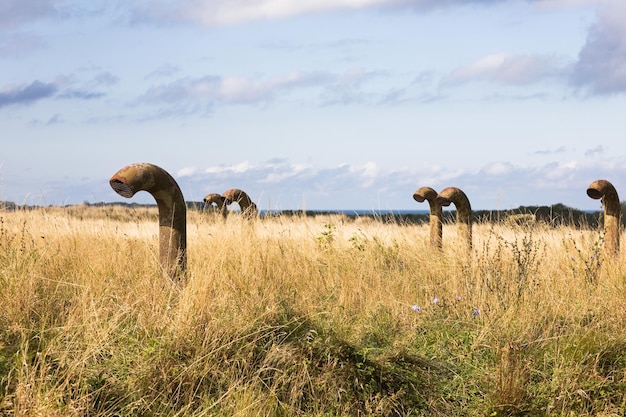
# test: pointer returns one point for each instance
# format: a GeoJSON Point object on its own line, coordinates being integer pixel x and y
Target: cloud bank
{"type": "Point", "coordinates": [282, 184]}
{"type": "Point", "coordinates": [13, 13]}
{"type": "Point", "coordinates": [13, 95]}
{"type": "Point", "coordinates": [232, 89]}
{"type": "Point", "coordinates": [599, 68]}
{"type": "Point", "coordinates": [26, 94]}
{"type": "Point", "coordinates": [601, 64]}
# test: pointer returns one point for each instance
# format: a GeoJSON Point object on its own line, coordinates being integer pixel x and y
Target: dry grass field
{"type": "Point", "coordinates": [306, 316]}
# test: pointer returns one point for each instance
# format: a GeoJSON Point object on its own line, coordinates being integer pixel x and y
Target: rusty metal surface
{"type": "Point", "coordinates": [217, 203]}
{"type": "Point", "coordinates": [172, 210]}
{"type": "Point", "coordinates": [436, 214]}
{"type": "Point", "coordinates": [235, 195]}
{"type": "Point", "coordinates": [463, 211]}
{"type": "Point", "coordinates": [605, 191]}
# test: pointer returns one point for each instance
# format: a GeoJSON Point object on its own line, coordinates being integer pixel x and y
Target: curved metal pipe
{"type": "Point", "coordinates": [463, 210]}
{"type": "Point", "coordinates": [172, 211]}
{"type": "Point", "coordinates": [604, 190]}
{"type": "Point", "coordinates": [436, 214]}
{"type": "Point", "coordinates": [248, 208]}
{"type": "Point", "coordinates": [219, 201]}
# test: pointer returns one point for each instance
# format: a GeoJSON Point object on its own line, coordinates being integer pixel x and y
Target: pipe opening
{"type": "Point", "coordinates": [121, 188]}
{"type": "Point", "coordinates": [593, 193]}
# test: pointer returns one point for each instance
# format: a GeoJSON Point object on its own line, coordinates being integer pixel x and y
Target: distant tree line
{"type": "Point", "coordinates": [556, 214]}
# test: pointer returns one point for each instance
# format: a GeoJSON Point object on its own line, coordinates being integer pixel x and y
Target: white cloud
{"type": "Point", "coordinates": [245, 90]}
{"type": "Point", "coordinates": [237, 169]}
{"type": "Point", "coordinates": [242, 167]}
{"type": "Point", "coordinates": [601, 65]}
{"type": "Point", "coordinates": [231, 12]}
{"type": "Point", "coordinates": [560, 149]}
{"type": "Point", "coordinates": [507, 68]}
{"type": "Point", "coordinates": [187, 96]}
{"type": "Point", "coordinates": [283, 172]}
{"type": "Point", "coordinates": [228, 12]}
{"type": "Point", "coordinates": [497, 168]}
{"type": "Point", "coordinates": [566, 4]}
{"type": "Point", "coordinates": [186, 172]}
{"type": "Point", "coordinates": [349, 88]}
{"type": "Point", "coordinates": [233, 89]}
{"type": "Point", "coordinates": [598, 150]}
{"type": "Point", "coordinates": [496, 184]}
{"type": "Point", "coordinates": [367, 170]}
{"type": "Point", "coordinates": [367, 173]}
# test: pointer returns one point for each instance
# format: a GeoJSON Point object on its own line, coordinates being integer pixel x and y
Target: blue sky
{"type": "Point", "coordinates": [315, 104]}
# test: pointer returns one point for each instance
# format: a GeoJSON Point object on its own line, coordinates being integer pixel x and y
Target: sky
{"type": "Point", "coordinates": [315, 104]}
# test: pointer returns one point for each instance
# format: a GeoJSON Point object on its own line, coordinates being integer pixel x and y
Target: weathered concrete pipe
{"type": "Point", "coordinates": [436, 214]}
{"type": "Point", "coordinates": [463, 211]}
{"type": "Point", "coordinates": [219, 201]}
{"type": "Point", "coordinates": [248, 208]}
{"type": "Point", "coordinates": [172, 211]}
{"type": "Point", "coordinates": [604, 190]}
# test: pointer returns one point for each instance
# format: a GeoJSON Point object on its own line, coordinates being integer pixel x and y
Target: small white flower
{"type": "Point", "coordinates": [416, 308]}
{"type": "Point", "coordinates": [435, 300]}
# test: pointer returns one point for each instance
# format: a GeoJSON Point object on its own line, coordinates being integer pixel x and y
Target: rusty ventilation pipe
{"type": "Point", "coordinates": [436, 224]}
{"type": "Point", "coordinates": [172, 211]}
{"type": "Point", "coordinates": [604, 190]}
{"type": "Point", "coordinates": [235, 195]}
{"type": "Point", "coordinates": [218, 202]}
{"type": "Point", "coordinates": [463, 211]}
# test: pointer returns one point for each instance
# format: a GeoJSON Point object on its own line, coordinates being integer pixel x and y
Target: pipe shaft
{"type": "Point", "coordinates": [463, 211]}
{"type": "Point", "coordinates": [219, 202]}
{"type": "Point", "coordinates": [235, 195]}
{"type": "Point", "coordinates": [436, 214]}
{"type": "Point", "coordinates": [604, 190]}
{"type": "Point", "coordinates": [172, 211]}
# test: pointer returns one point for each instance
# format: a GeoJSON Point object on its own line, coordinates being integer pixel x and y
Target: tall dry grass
{"type": "Point", "coordinates": [314, 316]}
